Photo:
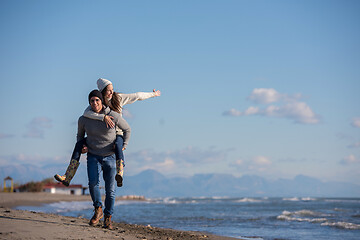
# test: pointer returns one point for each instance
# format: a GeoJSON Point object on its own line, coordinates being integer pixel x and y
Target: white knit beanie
{"type": "Point", "coordinates": [102, 83]}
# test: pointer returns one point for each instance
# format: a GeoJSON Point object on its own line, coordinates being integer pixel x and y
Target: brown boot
{"type": "Point", "coordinates": [119, 172]}
{"type": "Point", "coordinates": [98, 214]}
{"type": "Point", "coordinates": [69, 174]}
{"type": "Point", "coordinates": [107, 222]}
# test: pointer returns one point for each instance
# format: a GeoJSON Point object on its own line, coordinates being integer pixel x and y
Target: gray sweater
{"type": "Point", "coordinates": [100, 139]}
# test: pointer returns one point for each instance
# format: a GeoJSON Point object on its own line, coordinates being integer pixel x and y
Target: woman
{"type": "Point", "coordinates": [115, 101]}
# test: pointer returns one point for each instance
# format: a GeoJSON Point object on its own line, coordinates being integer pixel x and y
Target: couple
{"type": "Point", "coordinates": [104, 127]}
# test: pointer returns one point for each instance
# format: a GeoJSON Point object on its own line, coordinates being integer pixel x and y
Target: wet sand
{"type": "Point", "coordinates": [19, 224]}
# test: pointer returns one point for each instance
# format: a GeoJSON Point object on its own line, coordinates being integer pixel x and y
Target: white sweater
{"type": "Point", "coordinates": [124, 99]}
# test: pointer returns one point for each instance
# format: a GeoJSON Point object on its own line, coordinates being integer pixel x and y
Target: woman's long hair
{"type": "Point", "coordinates": [114, 103]}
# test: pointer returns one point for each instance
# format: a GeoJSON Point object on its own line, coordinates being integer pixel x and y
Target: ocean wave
{"type": "Point", "coordinates": [60, 207]}
{"type": "Point", "coordinates": [171, 200]}
{"type": "Point", "coordinates": [346, 200]}
{"type": "Point", "coordinates": [128, 202]}
{"type": "Point", "coordinates": [342, 225]}
{"type": "Point", "coordinates": [189, 200]}
{"type": "Point", "coordinates": [303, 212]}
{"type": "Point", "coordinates": [340, 210]}
{"type": "Point", "coordinates": [291, 199]}
{"type": "Point", "coordinates": [251, 200]}
{"type": "Point", "coordinates": [220, 197]}
{"type": "Point", "coordinates": [303, 216]}
{"type": "Point", "coordinates": [298, 219]}
{"type": "Point", "coordinates": [308, 199]}
{"type": "Point", "coordinates": [168, 200]}
{"type": "Point", "coordinates": [305, 199]}
{"type": "Point", "coordinates": [315, 217]}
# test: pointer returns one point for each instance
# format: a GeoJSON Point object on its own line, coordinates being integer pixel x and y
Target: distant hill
{"type": "Point", "coordinates": [151, 183]}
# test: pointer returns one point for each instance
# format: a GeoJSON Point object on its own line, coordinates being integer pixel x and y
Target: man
{"type": "Point", "coordinates": [101, 156]}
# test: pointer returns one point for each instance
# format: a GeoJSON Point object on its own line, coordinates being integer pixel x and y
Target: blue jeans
{"type": "Point", "coordinates": [77, 149]}
{"type": "Point", "coordinates": [96, 164]}
{"type": "Point", "coordinates": [119, 142]}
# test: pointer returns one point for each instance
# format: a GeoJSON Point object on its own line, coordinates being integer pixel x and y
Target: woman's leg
{"type": "Point", "coordinates": [119, 142]}
{"type": "Point", "coordinates": [77, 149]}
{"type": "Point", "coordinates": [74, 164]}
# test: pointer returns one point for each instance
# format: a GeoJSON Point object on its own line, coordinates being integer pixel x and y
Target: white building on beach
{"type": "Point", "coordinates": [58, 188]}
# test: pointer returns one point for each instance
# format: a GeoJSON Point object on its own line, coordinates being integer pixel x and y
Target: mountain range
{"type": "Point", "coordinates": [151, 183]}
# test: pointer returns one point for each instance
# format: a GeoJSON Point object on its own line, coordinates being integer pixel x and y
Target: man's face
{"type": "Point", "coordinates": [96, 104]}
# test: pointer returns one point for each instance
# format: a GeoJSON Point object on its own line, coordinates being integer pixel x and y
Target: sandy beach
{"type": "Point", "coordinates": [19, 224]}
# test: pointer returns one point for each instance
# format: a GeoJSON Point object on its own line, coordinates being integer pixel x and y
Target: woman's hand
{"type": "Point", "coordinates": [84, 149]}
{"type": "Point", "coordinates": [124, 148]}
{"type": "Point", "coordinates": [108, 120]}
{"type": "Point", "coordinates": [157, 93]}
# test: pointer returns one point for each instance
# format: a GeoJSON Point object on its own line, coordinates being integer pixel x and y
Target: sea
{"type": "Point", "coordinates": [245, 218]}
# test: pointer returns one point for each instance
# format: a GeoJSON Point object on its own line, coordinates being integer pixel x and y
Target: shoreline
{"type": "Point", "coordinates": [20, 224]}
{"type": "Point", "coordinates": [11, 200]}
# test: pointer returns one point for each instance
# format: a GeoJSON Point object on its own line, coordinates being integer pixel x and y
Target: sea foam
{"type": "Point", "coordinates": [305, 216]}
{"type": "Point", "coordinates": [251, 200]}
{"type": "Point", "coordinates": [60, 207]}
{"type": "Point", "coordinates": [343, 225]}
{"type": "Point", "coordinates": [291, 199]}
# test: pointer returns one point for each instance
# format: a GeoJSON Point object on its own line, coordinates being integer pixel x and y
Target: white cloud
{"type": "Point", "coordinates": [232, 112]}
{"type": "Point", "coordinates": [176, 161]}
{"type": "Point", "coordinates": [167, 165]}
{"type": "Point", "coordinates": [32, 159]}
{"type": "Point", "coordinates": [299, 112]}
{"type": "Point", "coordinates": [251, 111]}
{"type": "Point", "coordinates": [254, 165]}
{"type": "Point", "coordinates": [37, 126]}
{"type": "Point", "coordinates": [289, 107]}
{"type": "Point", "coordinates": [351, 159]}
{"type": "Point", "coordinates": [261, 161]}
{"type": "Point", "coordinates": [264, 95]}
{"type": "Point", "coordinates": [356, 122]}
{"type": "Point", "coordinates": [164, 166]}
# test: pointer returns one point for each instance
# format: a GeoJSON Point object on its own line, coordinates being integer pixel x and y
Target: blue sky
{"type": "Point", "coordinates": [269, 88]}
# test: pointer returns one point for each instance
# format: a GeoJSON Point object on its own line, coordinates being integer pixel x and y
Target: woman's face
{"type": "Point", "coordinates": [109, 91]}
{"type": "Point", "coordinates": [96, 104]}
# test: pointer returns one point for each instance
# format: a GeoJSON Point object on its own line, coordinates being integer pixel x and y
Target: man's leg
{"type": "Point", "coordinates": [109, 172]}
{"type": "Point", "coordinates": [94, 169]}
